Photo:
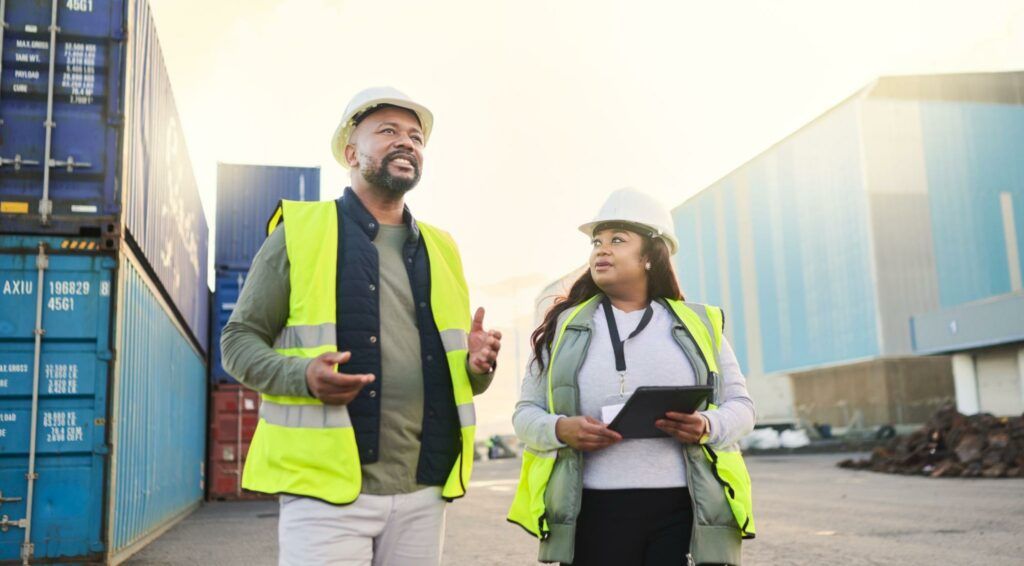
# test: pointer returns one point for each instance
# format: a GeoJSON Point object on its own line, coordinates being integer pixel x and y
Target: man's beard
{"type": "Point", "coordinates": [380, 176]}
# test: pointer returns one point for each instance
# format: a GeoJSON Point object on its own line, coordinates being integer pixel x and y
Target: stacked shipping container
{"type": "Point", "coordinates": [246, 197]}
{"type": "Point", "coordinates": [103, 295]}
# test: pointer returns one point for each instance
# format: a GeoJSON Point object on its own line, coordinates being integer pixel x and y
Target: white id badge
{"type": "Point", "coordinates": [611, 407]}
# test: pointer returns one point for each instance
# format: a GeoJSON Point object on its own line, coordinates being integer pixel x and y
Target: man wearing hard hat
{"type": "Point", "coordinates": [354, 324]}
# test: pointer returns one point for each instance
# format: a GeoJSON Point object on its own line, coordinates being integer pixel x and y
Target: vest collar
{"type": "Point", "coordinates": [584, 320]}
{"type": "Point", "coordinates": [354, 208]}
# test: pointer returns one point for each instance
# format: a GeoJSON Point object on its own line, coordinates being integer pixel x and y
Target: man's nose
{"type": "Point", "coordinates": [404, 141]}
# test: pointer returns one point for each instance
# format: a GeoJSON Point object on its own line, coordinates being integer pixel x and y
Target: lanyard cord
{"type": "Point", "coordinates": [613, 329]}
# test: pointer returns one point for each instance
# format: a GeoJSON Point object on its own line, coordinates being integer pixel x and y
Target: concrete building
{"type": "Point", "coordinates": [986, 339]}
{"type": "Point", "coordinates": [905, 198]}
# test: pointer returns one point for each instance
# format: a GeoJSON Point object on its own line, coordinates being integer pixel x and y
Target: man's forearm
{"type": "Point", "coordinates": [252, 361]}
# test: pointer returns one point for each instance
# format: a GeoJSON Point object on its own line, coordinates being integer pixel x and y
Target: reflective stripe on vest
{"type": "Point", "coordinates": [303, 447]}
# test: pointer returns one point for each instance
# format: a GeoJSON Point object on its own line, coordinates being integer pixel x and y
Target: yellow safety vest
{"type": "Point", "coordinates": [303, 447]}
{"type": "Point", "coordinates": [718, 480]}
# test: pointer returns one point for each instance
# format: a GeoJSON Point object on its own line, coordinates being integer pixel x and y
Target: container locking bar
{"type": "Point", "coordinates": [6, 523]}
{"type": "Point", "coordinates": [3, 28]}
{"type": "Point", "coordinates": [70, 163]}
{"type": "Point", "coordinates": [45, 204]}
{"type": "Point", "coordinates": [27, 548]}
{"type": "Point", "coordinates": [8, 499]}
{"type": "Point", "coordinates": [17, 161]}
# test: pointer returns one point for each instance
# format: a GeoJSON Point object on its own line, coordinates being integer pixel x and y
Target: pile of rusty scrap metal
{"type": "Point", "coordinates": [953, 445]}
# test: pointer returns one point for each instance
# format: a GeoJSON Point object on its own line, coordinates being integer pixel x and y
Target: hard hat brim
{"type": "Point", "coordinates": [670, 239]}
{"type": "Point", "coordinates": [344, 130]}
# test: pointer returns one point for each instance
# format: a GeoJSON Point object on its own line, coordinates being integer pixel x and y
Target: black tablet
{"type": "Point", "coordinates": [648, 404]}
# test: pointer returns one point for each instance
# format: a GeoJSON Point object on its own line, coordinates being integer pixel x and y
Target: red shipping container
{"type": "Point", "coordinates": [224, 428]}
{"type": "Point", "coordinates": [228, 452]}
{"type": "Point", "coordinates": [225, 484]}
{"type": "Point", "coordinates": [226, 399]}
{"type": "Point", "coordinates": [230, 405]}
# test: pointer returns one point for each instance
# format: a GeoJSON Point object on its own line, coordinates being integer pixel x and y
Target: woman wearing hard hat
{"type": "Point", "coordinates": [590, 495]}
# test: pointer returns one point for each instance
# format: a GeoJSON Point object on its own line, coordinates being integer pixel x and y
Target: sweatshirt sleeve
{"type": "Point", "coordinates": [260, 314]}
{"type": "Point", "coordinates": [734, 418]}
{"type": "Point", "coordinates": [533, 424]}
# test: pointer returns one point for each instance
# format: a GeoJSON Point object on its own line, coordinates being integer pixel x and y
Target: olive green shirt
{"type": "Point", "coordinates": [401, 407]}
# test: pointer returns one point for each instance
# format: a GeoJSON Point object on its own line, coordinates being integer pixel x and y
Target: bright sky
{"type": "Point", "coordinates": [543, 108]}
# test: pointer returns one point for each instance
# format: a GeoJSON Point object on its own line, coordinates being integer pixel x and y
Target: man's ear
{"type": "Point", "coordinates": [352, 156]}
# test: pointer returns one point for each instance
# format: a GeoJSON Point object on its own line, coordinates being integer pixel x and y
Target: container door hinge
{"type": "Point", "coordinates": [6, 523]}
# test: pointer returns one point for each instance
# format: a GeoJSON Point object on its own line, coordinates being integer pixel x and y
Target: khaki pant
{"type": "Point", "coordinates": [377, 530]}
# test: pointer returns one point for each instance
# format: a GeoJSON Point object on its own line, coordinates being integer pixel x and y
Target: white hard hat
{"type": "Point", "coordinates": [367, 100]}
{"type": "Point", "coordinates": [633, 207]}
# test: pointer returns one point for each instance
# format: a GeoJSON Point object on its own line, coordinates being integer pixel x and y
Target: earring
{"type": "Point", "coordinates": [648, 266]}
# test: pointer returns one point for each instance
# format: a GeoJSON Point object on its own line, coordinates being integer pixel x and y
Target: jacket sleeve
{"type": "Point", "coordinates": [260, 314]}
{"type": "Point", "coordinates": [533, 424]}
{"type": "Point", "coordinates": [734, 418]}
{"type": "Point", "coordinates": [479, 382]}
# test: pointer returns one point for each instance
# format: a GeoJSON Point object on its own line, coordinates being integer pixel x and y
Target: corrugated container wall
{"type": "Point", "coordinates": [159, 420]}
{"type": "Point", "coordinates": [246, 197]}
{"type": "Point", "coordinates": [163, 212]}
{"type": "Point", "coordinates": [155, 436]}
{"type": "Point", "coordinates": [114, 141]}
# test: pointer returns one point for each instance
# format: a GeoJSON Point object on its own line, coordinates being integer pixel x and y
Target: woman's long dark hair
{"type": "Point", "coordinates": [661, 282]}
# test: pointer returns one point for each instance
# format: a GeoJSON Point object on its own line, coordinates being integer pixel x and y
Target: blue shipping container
{"type": "Point", "coordinates": [118, 163]}
{"type": "Point", "coordinates": [72, 415]}
{"type": "Point", "coordinates": [87, 115]}
{"type": "Point", "coordinates": [226, 289]}
{"type": "Point", "coordinates": [156, 389]}
{"type": "Point", "coordinates": [163, 213]}
{"type": "Point", "coordinates": [159, 429]}
{"type": "Point", "coordinates": [246, 197]}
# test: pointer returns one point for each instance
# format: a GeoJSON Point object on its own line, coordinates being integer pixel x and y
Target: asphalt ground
{"type": "Point", "coordinates": [808, 512]}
